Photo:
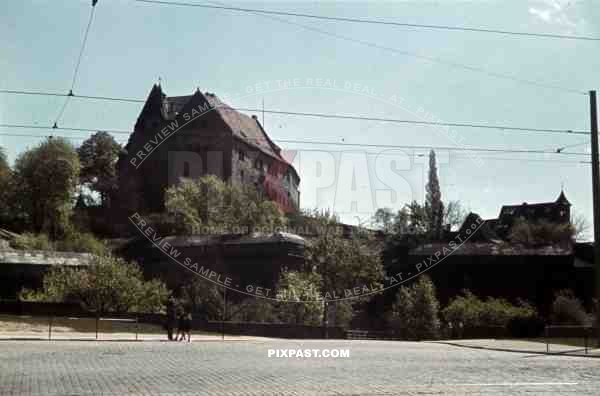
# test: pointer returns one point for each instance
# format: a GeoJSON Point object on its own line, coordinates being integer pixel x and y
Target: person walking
{"type": "Point", "coordinates": [186, 326]}
{"type": "Point", "coordinates": [180, 324]}
{"type": "Point", "coordinates": [171, 317]}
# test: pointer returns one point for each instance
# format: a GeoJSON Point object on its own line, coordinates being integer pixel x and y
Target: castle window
{"type": "Point", "coordinates": [242, 175]}
{"type": "Point", "coordinates": [241, 155]}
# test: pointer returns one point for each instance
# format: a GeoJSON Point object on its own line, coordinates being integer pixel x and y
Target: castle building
{"type": "Point", "coordinates": [557, 212]}
{"type": "Point", "coordinates": [190, 136]}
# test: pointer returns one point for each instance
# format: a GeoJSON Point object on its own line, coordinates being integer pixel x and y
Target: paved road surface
{"type": "Point", "coordinates": [243, 368]}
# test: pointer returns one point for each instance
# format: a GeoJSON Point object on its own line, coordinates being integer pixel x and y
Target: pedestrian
{"type": "Point", "coordinates": [171, 320]}
{"type": "Point", "coordinates": [180, 323]}
{"type": "Point", "coordinates": [186, 326]}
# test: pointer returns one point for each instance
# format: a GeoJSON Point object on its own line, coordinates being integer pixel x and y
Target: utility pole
{"type": "Point", "coordinates": [596, 200]}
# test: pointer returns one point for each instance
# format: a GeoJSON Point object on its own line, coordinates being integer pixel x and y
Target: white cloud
{"type": "Point", "coordinates": [557, 12]}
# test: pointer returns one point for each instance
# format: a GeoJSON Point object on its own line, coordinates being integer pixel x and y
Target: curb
{"type": "Point", "coordinates": [564, 353]}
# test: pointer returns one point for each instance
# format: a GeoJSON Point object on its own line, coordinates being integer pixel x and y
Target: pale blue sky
{"type": "Point", "coordinates": [131, 44]}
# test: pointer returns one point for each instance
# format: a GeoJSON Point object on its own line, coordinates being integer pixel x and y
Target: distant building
{"type": "Point", "coordinates": [190, 136]}
{"type": "Point", "coordinates": [481, 257]}
{"type": "Point", "coordinates": [558, 212]}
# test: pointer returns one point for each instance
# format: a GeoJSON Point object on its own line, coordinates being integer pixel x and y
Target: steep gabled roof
{"type": "Point", "coordinates": [243, 127]}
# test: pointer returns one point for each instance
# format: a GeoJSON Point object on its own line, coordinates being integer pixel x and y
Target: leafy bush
{"type": "Point", "coordinates": [254, 310]}
{"type": "Point", "coordinates": [73, 241]}
{"type": "Point", "coordinates": [343, 312]}
{"type": "Point", "coordinates": [81, 242]}
{"type": "Point", "coordinates": [109, 284]}
{"type": "Point", "coordinates": [297, 292]}
{"type": "Point", "coordinates": [204, 298]}
{"type": "Point", "coordinates": [568, 309]}
{"type": "Point", "coordinates": [468, 310]}
{"type": "Point", "coordinates": [296, 303]}
{"type": "Point", "coordinates": [30, 241]}
{"type": "Point", "coordinates": [540, 233]}
{"type": "Point", "coordinates": [415, 314]}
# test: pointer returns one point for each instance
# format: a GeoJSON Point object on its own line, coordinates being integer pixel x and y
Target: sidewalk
{"type": "Point", "coordinates": [84, 329]}
{"type": "Point", "coordinates": [522, 346]}
{"type": "Point", "coordinates": [91, 336]}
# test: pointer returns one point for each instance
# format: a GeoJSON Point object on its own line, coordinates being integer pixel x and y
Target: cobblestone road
{"type": "Point", "coordinates": [243, 368]}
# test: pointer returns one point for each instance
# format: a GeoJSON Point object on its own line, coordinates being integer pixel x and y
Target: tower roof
{"type": "Point", "coordinates": [562, 199]}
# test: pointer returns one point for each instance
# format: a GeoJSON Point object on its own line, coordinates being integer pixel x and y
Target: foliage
{"type": "Point", "coordinates": [415, 314]}
{"type": "Point", "coordinates": [109, 284]}
{"type": "Point", "coordinates": [28, 241]}
{"type": "Point", "coordinates": [204, 298]}
{"type": "Point", "coordinates": [581, 227]}
{"type": "Point", "coordinates": [4, 168]}
{"type": "Point", "coordinates": [567, 309]}
{"type": "Point", "coordinates": [98, 156]}
{"type": "Point", "coordinates": [454, 214]}
{"type": "Point", "coordinates": [73, 241]}
{"type": "Point", "coordinates": [298, 294]}
{"type": "Point", "coordinates": [8, 212]}
{"type": "Point", "coordinates": [45, 179]}
{"type": "Point", "coordinates": [416, 223]}
{"type": "Point", "coordinates": [468, 310]}
{"type": "Point", "coordinates": [84, 242]}
{"type": "Point", "coordinates": [297, 302]}
{"type": "Point", "coordinates": [6, 187]}
{"type": "Point", "coordinates": [210, 202]}
{"type": "Point", "coordinates": [343, 263]}
{"type": "Point", "coordinates": [434, 207]}
{"type": "Point", "coordinates": [254, 310]}
{"type": "Point", "coordinates": [343, 313]}
{"type": "Point", "coordinates": [384, 218]}
{"type": "Point", "coordinates": [540, 233]}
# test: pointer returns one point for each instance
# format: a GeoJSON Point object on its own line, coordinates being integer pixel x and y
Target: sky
{"type": "Point", "coordinates": [373, 71]}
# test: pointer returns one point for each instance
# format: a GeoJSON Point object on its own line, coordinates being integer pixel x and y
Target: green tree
{"type": "Point", "coordinates": [540, 233]}
{"type": "Point", "coordinates": [254, 310]}
{"type": "Point", "coordinates": [433, 201]}
{"type": "Point", "coordinates": [109, 284]}
{"type": "Point", "coordinates": [6, 188]}
{"type": "Point", "coordinates": [204, 298]}
{"type": "Point", "coordinates": [98, 156]}
{"type": "Point", "coordinates": [212, 203]}
{"type": "Point", "coordinates": [469, 310]}
{"type": "Point", "coordinates": [415, 314]}
{"type": "Point", "coordinates": [568, 309]}
{"type": "Point", "coordinates": [343, 262]}
{"type": "Point", "coordinates": [299, 298]}
{"type": "Point", "coordinates": [46, 179]}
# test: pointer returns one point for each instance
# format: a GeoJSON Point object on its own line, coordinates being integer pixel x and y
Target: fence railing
{"type": "Point", "coordinates": [587, 333]}
{"type": "Point", "coordinates": [51, 313]}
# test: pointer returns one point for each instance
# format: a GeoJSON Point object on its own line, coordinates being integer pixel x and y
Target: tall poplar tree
{"type": "Point", "coordinates": [433, 204]}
